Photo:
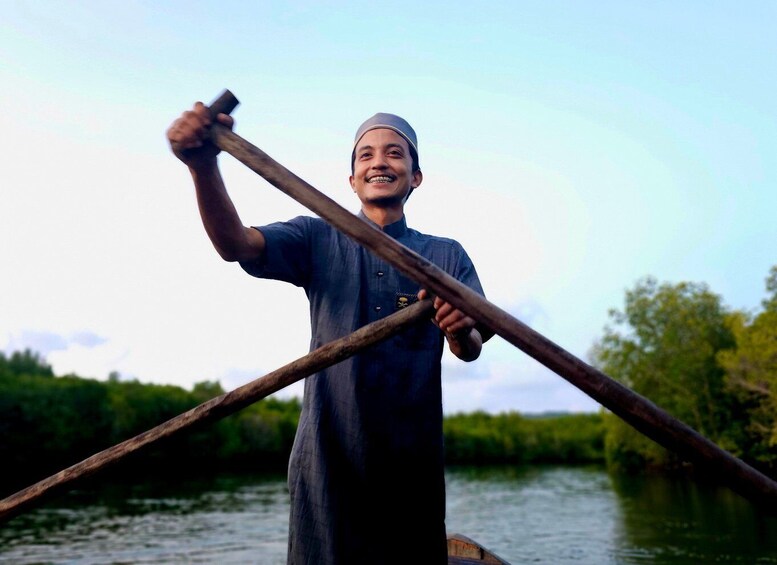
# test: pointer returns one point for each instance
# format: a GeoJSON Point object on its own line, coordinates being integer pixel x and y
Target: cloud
{"type": "Point", "coordinates": [45, 342]}
{"type": "Point", "coordinates": [39, 341]}
{"type": "Point", "coordinates": [87, 339]}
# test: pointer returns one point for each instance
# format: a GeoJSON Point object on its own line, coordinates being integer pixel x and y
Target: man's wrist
{"type": "Point", "coordinates": [203, 166]}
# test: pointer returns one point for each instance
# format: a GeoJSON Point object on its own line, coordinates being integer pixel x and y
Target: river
{"type": "Point", "coordinates": [553, 515]}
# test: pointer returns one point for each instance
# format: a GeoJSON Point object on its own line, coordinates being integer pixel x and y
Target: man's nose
{"type": "Point", "coordinates": [378, 162]}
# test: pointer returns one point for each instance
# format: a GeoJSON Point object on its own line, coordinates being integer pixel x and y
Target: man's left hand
{"type": "Point", "coordinates": [464, 340]}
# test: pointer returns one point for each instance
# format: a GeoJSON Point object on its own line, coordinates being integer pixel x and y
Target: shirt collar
{"type": "Point", "coordinates": [395, 230]}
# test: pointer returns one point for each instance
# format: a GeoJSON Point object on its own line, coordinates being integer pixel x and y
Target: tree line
{"type": "Point", "coordinates": [49, 422]}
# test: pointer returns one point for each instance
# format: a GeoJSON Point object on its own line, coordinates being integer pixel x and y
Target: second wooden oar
{"type": "Point", "coordinates": [221, 406]}
{"type": "Point", "coordinates": [633, 408]}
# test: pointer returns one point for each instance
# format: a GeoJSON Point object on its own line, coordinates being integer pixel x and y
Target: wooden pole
{"type": "Point", "coordinates": [636, 410]}
{"type": "Point", "coordinates": [221, 406]}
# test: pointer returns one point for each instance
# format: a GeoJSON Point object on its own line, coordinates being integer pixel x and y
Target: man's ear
{"type": "Point", "coordinates": [350, 180]}
{"type": "Point", "coordinates": [418, 178]}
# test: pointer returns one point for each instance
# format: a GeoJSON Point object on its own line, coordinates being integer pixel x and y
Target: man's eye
{"type": "Point", "coordinates": [365, 156]}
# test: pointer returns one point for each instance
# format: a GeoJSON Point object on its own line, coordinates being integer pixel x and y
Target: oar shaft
{"type": "Point", "coordinates": [638, 411]}
{"type": "Point", "coordinates": [222, 406]}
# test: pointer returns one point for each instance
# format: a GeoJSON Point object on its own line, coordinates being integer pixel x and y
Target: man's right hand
{"type": "Point", "coordinates": [188, 136]}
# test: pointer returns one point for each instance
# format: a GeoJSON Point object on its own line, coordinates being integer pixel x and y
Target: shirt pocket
{"type": "Point", "coordinates": [423, 335]}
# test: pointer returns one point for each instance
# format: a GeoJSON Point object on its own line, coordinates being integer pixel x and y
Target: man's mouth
{"type": "Point", "coordinates": [381, 178]}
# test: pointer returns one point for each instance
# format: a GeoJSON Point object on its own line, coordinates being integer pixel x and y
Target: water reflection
{"type": "Point", "coordinates": [678, 521]}
{"type": "Point", "coordinates": [583, 515]}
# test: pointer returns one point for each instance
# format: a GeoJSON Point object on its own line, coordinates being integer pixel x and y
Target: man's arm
{"type": "Point", "coordinates": [464, 340]}
{"type": "Point", "coordinates": [188, 139]}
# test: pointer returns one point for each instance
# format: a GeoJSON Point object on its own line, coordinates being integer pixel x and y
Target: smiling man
{"type": "Point", "coordinates": [384, 167]}
{"type": "Point", "coordinates": [366, 473]}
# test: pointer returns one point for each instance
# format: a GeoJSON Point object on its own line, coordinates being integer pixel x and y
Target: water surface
{"type": "Point", "coordinates": [554, 515]}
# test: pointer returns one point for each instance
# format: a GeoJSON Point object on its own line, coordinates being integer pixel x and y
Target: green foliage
{"type": "Point", "coordinates": [47, 424]}
{"type": "Point", "coordinates": [770, 303]}
{"type": "Point", "coordinates": [751, 376]}
{"type": "Point", "coordinates": [480, 439]}
{"type": "Point", "coordinates": [663, 345]}
{"type": "Point", "coordinates": [205, 390]}
{"type": "Point", "coordinates": [138, 407]}
{"type": "Point", "coordinates": [263, 430]}
{"type": "Point", "coordinates": [26, 363]}
{"type": "Point", "coordinates": [628, 451]}
{"type": "Point", "coordinates": [713, 369]}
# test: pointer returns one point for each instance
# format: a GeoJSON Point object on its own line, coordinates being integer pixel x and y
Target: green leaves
{"type": "Point", "coordinates": [481, 438]}
{"type": "Point", "coordinates": [712, 368]}
{"type": "Point", "coordinates": [751, 377]}
{"type": "Point", "coordinates": [663, 345]}
{"type": "Point", "coordinates": [24, 362]}
{"type": "Point", "coordinates": [48, 423]}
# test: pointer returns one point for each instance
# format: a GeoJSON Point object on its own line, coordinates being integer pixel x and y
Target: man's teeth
{"type": "Point", "coordinates": [381, 179]}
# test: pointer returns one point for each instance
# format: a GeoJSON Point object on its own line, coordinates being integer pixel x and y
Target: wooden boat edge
{"type": "Point", "coordinates": [465, 551]}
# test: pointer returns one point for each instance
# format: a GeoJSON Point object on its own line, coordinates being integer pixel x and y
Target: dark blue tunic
{"type": "Point", "coordinates": [367, 463]}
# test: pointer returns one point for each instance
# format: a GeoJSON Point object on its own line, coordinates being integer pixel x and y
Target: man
{"type": "Point", "coordinates": [366, 474]}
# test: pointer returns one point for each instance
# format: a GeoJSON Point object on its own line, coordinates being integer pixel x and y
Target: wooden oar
{"type": "Point", "coordinates": [637, 410]}
{"type": "Point", "coordinates": [221, 406]}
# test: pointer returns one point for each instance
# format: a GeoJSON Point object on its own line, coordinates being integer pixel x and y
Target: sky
{"type": "Point", "coordinates": [573, 148]}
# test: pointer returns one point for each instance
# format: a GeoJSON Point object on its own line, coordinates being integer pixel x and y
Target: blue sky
{"type": "Point", "coordinates": [572, 147]}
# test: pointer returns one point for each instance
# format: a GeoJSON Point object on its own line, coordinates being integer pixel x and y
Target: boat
{"type": "Point", "coordinates": [465, 551]}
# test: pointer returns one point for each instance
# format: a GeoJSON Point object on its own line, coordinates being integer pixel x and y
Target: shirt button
{"type": "Point", "coordinates": [379, 273]}
{"type": "Point", "coordinates": [377, 308]}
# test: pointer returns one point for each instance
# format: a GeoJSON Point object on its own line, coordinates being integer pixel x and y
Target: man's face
{"type": "Point", "coordinates": [382, 170]}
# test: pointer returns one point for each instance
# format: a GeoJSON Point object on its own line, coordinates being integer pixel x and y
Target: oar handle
{"type": "Point", "coordinates": [223, 104]}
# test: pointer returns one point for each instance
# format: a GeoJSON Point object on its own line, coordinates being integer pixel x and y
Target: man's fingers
{"type": "Point", "coordinates": [189, 134]}
{"type": "Point", "coordinates": [202, 111]}
{"type": "Point", "coordinates": [225, 120]}
{"type": "Point", "coordinates": [451, 320]}
{"type": "Point", "coordinates": [190, 144]}
{"type": "Point", "coordinates": [455, 321]}
{"type": "Point", "coordinates": [448, 318]}
{"type": "Point", "coordinates": [189, 130]}
{"type": "Point", "coordinates": [443, 308]}
{"type": "Point", "coordinates": [460, 326]}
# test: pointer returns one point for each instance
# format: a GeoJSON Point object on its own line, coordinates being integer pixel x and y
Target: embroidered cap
{"type": "Point", "coordinates": [388, 121]}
